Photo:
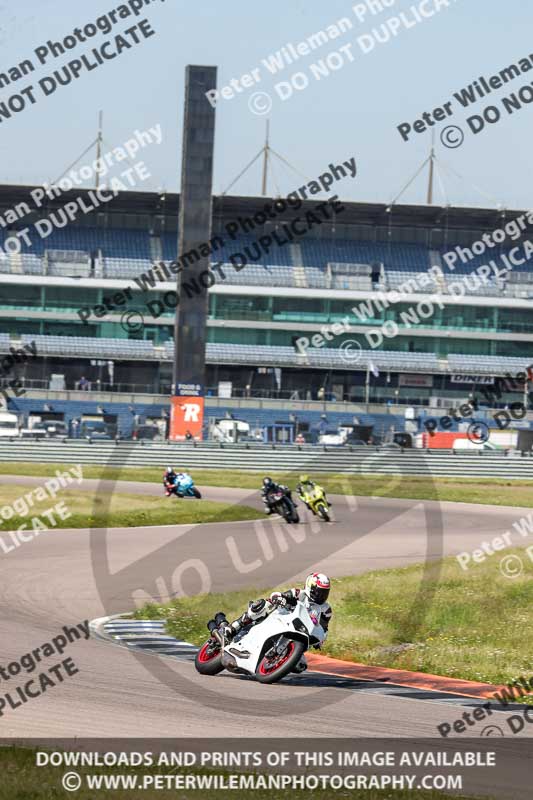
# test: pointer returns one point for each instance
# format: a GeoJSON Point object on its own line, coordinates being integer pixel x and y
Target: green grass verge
{"type": "Point", "coordinates": [91, 509]}
{"type": "Point", "coordinates": [473, 625]}
{"type": "Point", "coordinates": [492, 491]}
{"type": "Point", "coordinates": [22, 780]}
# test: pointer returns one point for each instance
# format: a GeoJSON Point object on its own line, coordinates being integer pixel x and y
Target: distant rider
{"type": "Point", "coordinates": [306, 486]}
{"type": "Point", "coordinates": [270, 486]}
{"type": "Point", "coordinates": [314, 594]}
{"type": "Point", "coordinates": [169, 480]}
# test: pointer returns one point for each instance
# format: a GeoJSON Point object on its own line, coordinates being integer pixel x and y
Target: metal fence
{"type": "Point", "coordinates": [267, 458]}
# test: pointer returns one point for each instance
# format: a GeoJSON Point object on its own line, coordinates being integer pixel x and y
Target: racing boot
{"type": "Point", "coordinates": [222, 627]}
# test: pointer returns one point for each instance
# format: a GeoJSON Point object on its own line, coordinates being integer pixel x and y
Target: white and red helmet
{"type": "Point", "coordinates": [317, 586]}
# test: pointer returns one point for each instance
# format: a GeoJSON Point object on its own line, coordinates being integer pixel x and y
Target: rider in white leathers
{"type": "Point", "coordinates": [314, 594]}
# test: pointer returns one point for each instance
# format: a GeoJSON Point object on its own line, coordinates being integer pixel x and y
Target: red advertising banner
{"type": "Point", "coordinates": [186, 418]}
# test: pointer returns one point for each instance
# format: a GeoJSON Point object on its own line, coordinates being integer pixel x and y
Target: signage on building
{"type": "Point", "coordinates": [479, 379]}
{"type": "Point", "coordinates": [421, 381]}
{"type": "Point", "coordinates": [189, 390]}
{"type": "Point", "coordinates": [186, 418]}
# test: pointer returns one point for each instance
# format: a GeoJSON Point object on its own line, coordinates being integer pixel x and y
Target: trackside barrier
{"type": "Point", "coordinates": [261, 458]}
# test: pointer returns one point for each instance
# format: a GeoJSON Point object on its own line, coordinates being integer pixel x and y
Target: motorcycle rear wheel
{"type": "Point", "coordinates": [273, 671]}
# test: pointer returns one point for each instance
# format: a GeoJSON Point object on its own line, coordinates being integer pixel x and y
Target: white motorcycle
{"type": "Point", "coordinates": [268, 650]}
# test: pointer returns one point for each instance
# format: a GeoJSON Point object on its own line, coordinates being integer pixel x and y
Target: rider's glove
{"type": "Point", "coordinates": [289, 598]}
{"type": "Point", "coordinates": [277, 599]}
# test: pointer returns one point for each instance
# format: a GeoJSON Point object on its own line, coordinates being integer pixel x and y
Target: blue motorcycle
{"type": "Point", "coordinates": [183, 486]}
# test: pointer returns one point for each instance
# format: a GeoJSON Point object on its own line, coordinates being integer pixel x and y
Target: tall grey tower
{"type": "Point", "coordinates": [194, 231]}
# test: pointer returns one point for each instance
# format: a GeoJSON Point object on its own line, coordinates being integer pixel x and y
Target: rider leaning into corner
{"type": "Point", "coordinates": [270, 486]}
{"type": "Point", "coordinates": [314, 594]}
{"type": "Point", "coordinates": [306, 486]}
{"type": "Point", "coordinates": [169, 479]}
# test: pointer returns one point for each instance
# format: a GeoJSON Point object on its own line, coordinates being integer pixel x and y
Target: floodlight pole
{"type": "Point", "coordinates": [265, 160]}
{"type": "Point", "coordinates": [431, 170]}
{"type": "Point", "coordinates": [265, 151]}
{"type": "Point", "coordinates": [99, 140]}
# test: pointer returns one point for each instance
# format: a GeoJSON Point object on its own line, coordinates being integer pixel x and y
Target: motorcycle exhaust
{"type": "Point", "coordinates": [229, 662]}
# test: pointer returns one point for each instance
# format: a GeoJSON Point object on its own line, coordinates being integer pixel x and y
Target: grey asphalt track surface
{"type": "Point", "coordinates": [64, 577]}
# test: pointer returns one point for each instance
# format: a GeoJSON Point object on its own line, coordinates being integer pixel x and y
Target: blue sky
{"type": "Point", "coordinates": [353, 112]}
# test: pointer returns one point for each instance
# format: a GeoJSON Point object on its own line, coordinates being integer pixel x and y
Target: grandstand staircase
{"type": "Point", "coordinates": [156, 248]}
{"type": "Point", "coordinates": [15, 262]}
{"type": "Point", "coordinates": [98, 266]}
{"type": "Point", "coordinates": [300, 278]}
{"type": "Point", "coordinates": [435, 260]}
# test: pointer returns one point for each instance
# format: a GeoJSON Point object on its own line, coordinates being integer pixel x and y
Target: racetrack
{"type": "Point", "coordinates": [60, 578]}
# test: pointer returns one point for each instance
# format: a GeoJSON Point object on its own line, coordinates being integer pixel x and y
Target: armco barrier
{"type": "Point", "coordinates": [265, 458]}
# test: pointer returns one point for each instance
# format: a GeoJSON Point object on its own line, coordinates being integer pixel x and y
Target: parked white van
{"type": "Point", "coordinates": [9, 425]}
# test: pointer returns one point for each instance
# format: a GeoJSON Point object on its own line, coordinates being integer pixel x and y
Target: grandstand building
{"type": "Point", "coordinates": [75, 294]}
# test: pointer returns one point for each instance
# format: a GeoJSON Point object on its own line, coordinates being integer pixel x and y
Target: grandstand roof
{"type": "Point", "coordinates": [131, 206]}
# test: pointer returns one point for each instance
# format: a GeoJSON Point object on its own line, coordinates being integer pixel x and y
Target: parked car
{"type": "Point", "coordinates": [95, 431]}
{"type": "Point", "coordinates": [33, 433]}
{"type": "Point", "coordinates": [50, 429]}
{"type": "Point", "coordinates": [149, 432]}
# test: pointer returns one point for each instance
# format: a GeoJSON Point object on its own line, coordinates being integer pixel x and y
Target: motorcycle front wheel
{"type": "Point", "coordinates": [285, 511]}
{"type": "Point", "coordinates": [208, 659]}
{"type": "Point", "coordinates": [197, 494]}
{"type": "Point", "coordinates": [271, 670]}
{"type": "Point", "coordinates": [323, 512]}
{"type": "Point", "coordinates": [289, 511]}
